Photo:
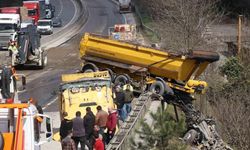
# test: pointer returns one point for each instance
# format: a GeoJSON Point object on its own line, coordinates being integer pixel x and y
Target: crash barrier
{"type": "Point", "coordinates": [121, 141]}
{"type": "Point", "coordinates": [72, 29]}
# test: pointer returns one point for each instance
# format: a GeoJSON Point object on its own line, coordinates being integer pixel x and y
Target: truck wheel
{"type": "Point", "coordinates": [190, 136]}
{"type": "Point", "coordinates": [1, 141]}
{"type": "Point", "coordinates": [89, 67]}
{"type": "Point", "coordinates": [157, 87]}
{"type": "Point", "coordinates": [122, 79]}
{"type": "Point", "coordinates": [111, 73]}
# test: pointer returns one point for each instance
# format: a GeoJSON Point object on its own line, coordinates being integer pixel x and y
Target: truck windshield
{"type": "Point", "coordinates": [32, 12]}
{"type": "Point", "coordinates": [7, 27]}
{"type": "Point", "coordinates": [45, 23]}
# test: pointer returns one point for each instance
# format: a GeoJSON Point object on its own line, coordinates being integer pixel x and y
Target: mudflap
{"type": "Point", "coordinates": [43, 59]}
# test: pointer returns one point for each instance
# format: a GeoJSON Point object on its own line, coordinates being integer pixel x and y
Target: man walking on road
{"type": "Point", "coordinates": [79, 131]}
{"type": "Point", "coordinates": [68, 143]}
{"type": "Point", "coordinates": [89, 123]}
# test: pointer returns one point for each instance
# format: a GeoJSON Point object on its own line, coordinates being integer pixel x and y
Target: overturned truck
{"type": "Point", "coordinates": [170, 75]}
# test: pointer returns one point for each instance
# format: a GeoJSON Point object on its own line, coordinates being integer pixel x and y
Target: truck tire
{"type": "Point", "coordinates": [111, 73]}
{"type": "Point", "coordinates": [44, 61]}
{"type": "Point", "coordinates": [122, 79]}
{"type": "Point", "coordinates": [6, 80]}
{"type": "Point", "coordinates": [89, 67]}
{"type": "Point", "coordinates": [190, 137]}
{"type": "Point", "coordinates": [157, 87]}
{"type": "Point", "coordinates": [1, 141]}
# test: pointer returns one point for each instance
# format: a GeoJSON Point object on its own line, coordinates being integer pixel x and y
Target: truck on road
{"type": "Point", "coordinates": [33, 8]}
{"type": "Point", "coordinates": [9, 24]}
{"type": "Point", "coordinates": [125, 6]}
{"type": "Point", "coordinates": [29, 51]}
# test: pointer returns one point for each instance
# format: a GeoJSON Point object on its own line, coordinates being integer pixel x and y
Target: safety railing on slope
{"type": "Point", "coordinates": [121, 140]}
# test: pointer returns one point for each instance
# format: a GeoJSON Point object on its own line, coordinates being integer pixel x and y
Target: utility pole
{"type": "Point", "coordinates": [239, 34]}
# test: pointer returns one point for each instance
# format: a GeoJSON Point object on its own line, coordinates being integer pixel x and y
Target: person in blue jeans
{"type": "Point", "coordinates": [128, 93]}
{"type": "Point", "coordinates": [119, 101]}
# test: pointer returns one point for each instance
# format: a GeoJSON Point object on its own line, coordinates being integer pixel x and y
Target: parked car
{"type": "Point", "coordinates": [45, 26]}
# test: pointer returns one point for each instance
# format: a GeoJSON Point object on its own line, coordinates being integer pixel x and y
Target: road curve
{"type": "Point", "coordinates": [43, 84]}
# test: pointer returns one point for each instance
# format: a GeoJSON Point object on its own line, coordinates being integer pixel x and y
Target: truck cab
{"type": "Point", "coordinates": [33, 9]}
{"type": "Point", "coordinates": [9, 25]}
{"type": "Point", "coordinates": [81, 90]}
{"type": "Point", "coordinates": [45, 27]}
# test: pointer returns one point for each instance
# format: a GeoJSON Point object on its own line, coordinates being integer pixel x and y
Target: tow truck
{"type": "Point", "coordinates": [172, 76]}
{"type": "Point", "coordinates": [20, 123]}
{"type": "Point", "coordinates": [29, 51]}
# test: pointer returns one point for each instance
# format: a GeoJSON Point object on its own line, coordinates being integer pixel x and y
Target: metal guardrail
{"type": "Point", "coordinates": [121, 140]}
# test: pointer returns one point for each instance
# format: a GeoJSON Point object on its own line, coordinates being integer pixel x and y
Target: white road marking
{"type": "Point", "coordinates": [60, 12]}
{"type": "Point", "coordinates": [48, 104]}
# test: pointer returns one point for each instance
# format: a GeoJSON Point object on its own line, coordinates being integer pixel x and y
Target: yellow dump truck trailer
{"type": "Point", "coordinates": [100, 53]}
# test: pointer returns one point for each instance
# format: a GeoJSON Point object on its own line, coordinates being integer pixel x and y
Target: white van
{"type": "Point", "coordinates": [45, 26]}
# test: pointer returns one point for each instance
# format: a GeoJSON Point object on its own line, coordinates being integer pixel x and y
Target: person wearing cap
{"type": "Point", "coordinates": [12, 51]}
{"type": "Point", "coordinates": [111, 124]}
{"type": "Point", "coordinates": [65, 126]}
{"type": "Point", "coordinates": [89, 123]}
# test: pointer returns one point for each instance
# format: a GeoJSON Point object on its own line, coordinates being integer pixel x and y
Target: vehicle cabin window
{"type": "Point", "coordinates": [7, 27]}
{"type": "Point", "coordinates": [44, 23]}
{"type": "Point", "coordinates": [37, 129]}
{"type": "Point", "coordinates": [32, 12]}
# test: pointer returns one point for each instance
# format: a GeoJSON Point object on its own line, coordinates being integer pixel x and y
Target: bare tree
{"type": "Point", "coordinates": [182, 23]}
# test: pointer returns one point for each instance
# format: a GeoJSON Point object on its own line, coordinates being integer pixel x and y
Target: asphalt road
{"type": "Point", "coordinates": [43, 84]}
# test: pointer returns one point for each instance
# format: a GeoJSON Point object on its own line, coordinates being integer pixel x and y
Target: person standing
{"type": "Point", "coordinates": [111, 124]}
{"type": "Point", "coordinates": [68, 143]}
{"type": "Point", "coordinates": [119, 98]}
{"type": "Point", "coordinates": [128, 92]}
{"type": "Point", "coordinates": [66, 125]}
{"type": "Point", "coordinates": [89, 123]}
{"type": "Point", "coordinates": [101, 119]}
{"type": "Point", "coordinates": [79, 131]}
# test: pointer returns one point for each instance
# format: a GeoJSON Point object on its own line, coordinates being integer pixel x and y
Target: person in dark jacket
{"type": "Point", "coordinates": [89, 123]}
{"type": "Point", "coordinates": [111, 124]}
{"type": "Point", "coordinates": [66, 126]}
{"type": "Point", "coordinates": [79, 131]}
{"type": "Point", "coordinates": [128, 92]}
{"type": "Point", "coordinates": [119, 98]}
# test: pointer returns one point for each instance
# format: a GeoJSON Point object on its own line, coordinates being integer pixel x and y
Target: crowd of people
{"type": "Point", "coordinates": [96, 131]}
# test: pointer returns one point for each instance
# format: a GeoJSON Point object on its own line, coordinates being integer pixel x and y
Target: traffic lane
{"type": "Point", "coordinates": [102, 15]}
{"type": "Point", "coordinates": [43, 84]}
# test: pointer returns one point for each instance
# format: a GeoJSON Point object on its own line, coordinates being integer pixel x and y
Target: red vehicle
{"type": "Point", "coordinates": [10, 10]}
{"type": "Point", "coordinates": [33, 9]}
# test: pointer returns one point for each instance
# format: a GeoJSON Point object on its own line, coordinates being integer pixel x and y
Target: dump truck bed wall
{"type": "Point", "coordinates": [169, 66]}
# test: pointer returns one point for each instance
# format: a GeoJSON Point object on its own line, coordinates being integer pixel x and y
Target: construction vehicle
{"type": "Point", "coordinates": [125, 6]}
{"type": "Point", "coordinates": [29, 51]}
{"type": "Point", "coordinates": [127, 61]}
{"type": "Point", "coordinates": [171, 76]}
{"type": "Point", "coordinates": [123, 32]}
{"type": "Point", "coordinates": [81, 90]}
